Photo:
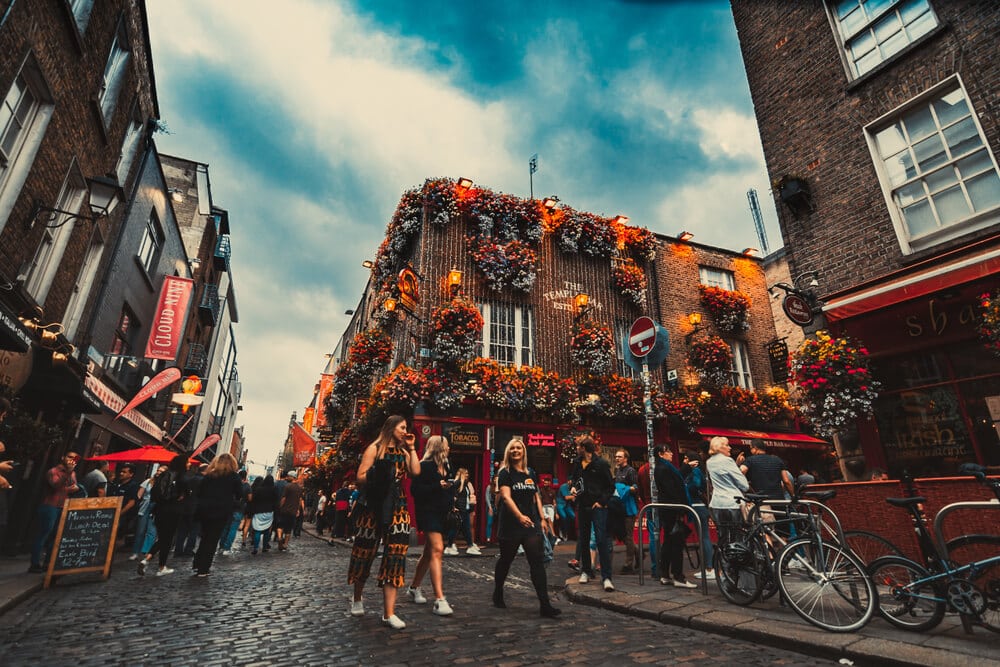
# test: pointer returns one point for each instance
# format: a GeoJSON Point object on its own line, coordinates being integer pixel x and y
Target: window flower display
{"type": "Point", "coordinates": [630, 280]}
{"type": "Point", "coordinates": [728, 308]}
{"type": "Point", "coordinates": [835, 381]}
{"type": "Point", "coordinates": [713, 360]}
{"type": "Point", "coordinates": [399, 391]}
{"type": "Point", "coordinates": [456, 328]}
{"type": "Point", "coordinates": [368, 354]}
{"type": "Point", "coordinates": [441, 200]}
{"type": "Point", "coordinates": [504, 265]}
{"type": "Point", "coordinates": [618, 397]}
{"type": "Point", "coordinates": [446, 387]}
{"type": "Point", "coordinates": [680, 407]}
{"type": "Point", "coordinates": [638, 242]}
{"type": "Point", "coordinates": [525, 390]}
{"type": "Point", "coordinates": [592, 347]}
{"type": "Point", "coordinates": [989, 323]}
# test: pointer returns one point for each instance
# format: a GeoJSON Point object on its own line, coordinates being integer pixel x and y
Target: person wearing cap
{"type": "Point", "coordinates": [60, 482]}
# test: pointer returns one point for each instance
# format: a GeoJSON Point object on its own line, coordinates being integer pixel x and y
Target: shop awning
{"type": "Point", "coordinates": [771, 440]}
{"type": "Point", "coordinates": [13, 335]}
{"type": "Point", "coordinates": [913, 285]}
{"type": "Point", "coordinates": [114, 402]}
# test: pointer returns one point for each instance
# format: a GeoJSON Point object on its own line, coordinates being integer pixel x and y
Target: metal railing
{"type": "Point", "coordinates": [697, 522]}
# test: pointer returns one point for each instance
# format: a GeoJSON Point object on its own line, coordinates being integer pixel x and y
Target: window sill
{"type": "Point", "coordinates": [975, 229]}
{"type": "Point", "coordinates": [905, 53]}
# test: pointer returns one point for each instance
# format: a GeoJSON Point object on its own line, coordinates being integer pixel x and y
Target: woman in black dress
{"type": "Point", "coordinates": [433, 496]}
{"type": "Point", "coordinates": [520, 525]}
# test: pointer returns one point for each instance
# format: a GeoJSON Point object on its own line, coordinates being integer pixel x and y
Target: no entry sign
{"type": "Point", "coordinates": [642, 336]}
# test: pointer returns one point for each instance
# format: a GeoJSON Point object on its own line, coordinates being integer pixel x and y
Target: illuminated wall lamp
{"type": "Point", "coordinates": [463, 183]}
{"type": "Point", "coordinates": [61, 357]}
{"type": "Point", "coordinates": [389, 305]}
{"type": "Point", "coordinates": [368, 264]}
{"type": "Point", "coordinates": [621, 219]}
{"type": "Point", "coordinates": [694, 319]}
{"type": "Point", "coordinates": [750, 252]}
{"type": "Point", "coordinates": [549, 203]}
{"type": "Point", "coordinates": [581, 305]}
{"type": "Point", "coordinates": [454, 282]}
{"type": "Point", "coordinates": [685, 236]}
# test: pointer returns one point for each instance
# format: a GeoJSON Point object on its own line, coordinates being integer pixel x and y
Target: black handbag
{"type": "Point", "coordinates": [452, 520]}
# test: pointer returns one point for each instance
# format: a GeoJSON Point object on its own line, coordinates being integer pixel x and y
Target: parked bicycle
{"type": "Point", "coordinates": [915, 596]}
{"type": "Point", "coordinates": [822, 580]}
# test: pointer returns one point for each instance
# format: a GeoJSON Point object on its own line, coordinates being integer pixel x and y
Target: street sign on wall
{"type": "Point", "coordinates": [797, 309]}
{"type": "Point", "coordinates": [642, 336]}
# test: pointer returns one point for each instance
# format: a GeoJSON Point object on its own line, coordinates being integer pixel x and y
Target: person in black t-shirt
{"type": "Point", "coordinates": [520, 509]}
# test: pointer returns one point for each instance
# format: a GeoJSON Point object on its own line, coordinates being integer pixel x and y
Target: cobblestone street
{"type": "Point", "coordinates": [291, 609]}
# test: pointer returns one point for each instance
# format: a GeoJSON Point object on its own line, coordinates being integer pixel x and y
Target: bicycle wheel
{"type": "Point", "coordinates": [737, 572]}
{"type": "Point", "coordinates": [869, 546]}
{"type": "Point", "coordinates": [969, 548]}
{"type": "Point", "coordinates": [826, 585]}
{"type": "Point", "coordinates": [903, 598]}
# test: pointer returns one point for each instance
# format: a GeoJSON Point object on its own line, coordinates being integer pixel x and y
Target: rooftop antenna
{"type": "Point", "coordinates": [758, 221]}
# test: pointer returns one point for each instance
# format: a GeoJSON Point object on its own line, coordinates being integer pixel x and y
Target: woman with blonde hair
{"type": "Point", "coordinates": [219, 492]}
{"type": "Point", "coordinates": [433, 497]}
{"type": "Point", "coordinates": [521, 524]}
{"type": "Point", "coordinates": [384, 516]}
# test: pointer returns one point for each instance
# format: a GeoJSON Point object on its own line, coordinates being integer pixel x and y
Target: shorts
{"type": "Point", "coordinates": [284, 521]}
{"type": "Point", "coordinates": [549, 512]}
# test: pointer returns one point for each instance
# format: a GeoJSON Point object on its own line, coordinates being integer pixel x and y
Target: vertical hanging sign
{"type": "Point", "coordinates": [171, 314]}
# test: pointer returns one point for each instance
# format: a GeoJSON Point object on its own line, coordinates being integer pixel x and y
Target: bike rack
{"type": "Point", "coordinates": [823, 509]}
{"type": "Point", "coordinates": [697, 522]}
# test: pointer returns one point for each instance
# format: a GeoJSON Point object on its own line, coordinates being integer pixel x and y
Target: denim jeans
{"type": "Point", "coordinates": [143, 523]}
{"type": "Point", "coordinates": [229, 535]}
{"type": "Point", "coordinates": [47, 518]}
{"type": "Point", "coordinates": [596, 518]}
{"type": "Point", "coordinates": [267, 538]}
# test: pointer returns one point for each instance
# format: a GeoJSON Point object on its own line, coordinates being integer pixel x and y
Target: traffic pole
{"type": "Point", "coordinates": [647, 402]}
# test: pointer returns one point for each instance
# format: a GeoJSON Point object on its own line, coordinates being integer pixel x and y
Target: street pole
{"type": "Point", "coordinates": [647, 402]}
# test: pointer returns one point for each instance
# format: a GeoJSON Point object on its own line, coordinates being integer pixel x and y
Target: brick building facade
{"type": "Point", "coordinates": [880, 124]}
{"type": "Point", "coordinates": [532, 325]}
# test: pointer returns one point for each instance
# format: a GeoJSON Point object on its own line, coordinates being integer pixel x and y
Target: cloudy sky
{"type": "Point", "coordinates": [316, 115]}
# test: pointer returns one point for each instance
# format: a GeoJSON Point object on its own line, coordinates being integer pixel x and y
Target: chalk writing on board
{"type": "Point", "coordinates": [86, 538]}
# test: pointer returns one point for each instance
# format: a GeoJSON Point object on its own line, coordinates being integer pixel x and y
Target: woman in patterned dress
{"type": "Point", "coordinates": [392, 454]}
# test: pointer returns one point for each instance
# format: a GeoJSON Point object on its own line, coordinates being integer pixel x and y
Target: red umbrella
{"type": "Point", "coordinates": [144, 454]}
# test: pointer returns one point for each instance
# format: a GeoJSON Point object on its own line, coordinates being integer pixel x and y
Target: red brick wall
{"type": "Point", "coordinates": [862, 506]}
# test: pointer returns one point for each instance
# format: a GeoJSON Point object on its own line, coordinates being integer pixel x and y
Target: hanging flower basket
{"type": "Point", "coordinates": [638, 242]}
{"type": "Point", "coordinates": [585, 233]}
{"type": "Point", "coordinates": [835, 381]}
{"type": "Point", "coordinates": [592, 347]}
{"type": "Point", "coordinates": [989, 322]}
{"type": "Point", "coordinates": [504, 265]}
{"type": "Point", "coordinates": [713, 360]}
{"type": "Point", "coordinates": [567, 445]}
{"type": "Point", "coordinates": [630, 280]}
{"type": "Point", "coordinates": [399, 391]}
{"type": "Point", "coordinates": [728, 308]}
{"type": "Point", "coordinates": [457, 328]}
{"type": "Point", "coordinates": [679, 407]}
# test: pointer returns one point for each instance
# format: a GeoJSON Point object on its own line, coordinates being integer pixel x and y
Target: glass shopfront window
{"type": "Point", "coordinates": [933, 413]}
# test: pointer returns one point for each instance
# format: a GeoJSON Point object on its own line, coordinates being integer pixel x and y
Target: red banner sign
{"type": "Point", "coordinates": [205, 444]}
{"type": "Point", "coordinates": [171, 313]}
{"type": "Point", "coordinates": [303, 447]}
{"type": "Point", "coordinates": [158, 382]}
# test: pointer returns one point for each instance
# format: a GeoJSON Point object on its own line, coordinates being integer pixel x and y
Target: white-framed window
{"type": "Point", "coordinates": [741, 376]}
{"type": "Point", "coordinates": [58, 227]}
{"type": "Point", "coordinates": [81, 13]}
{"type": "Point", "coordinates": [84, 283]}
{"type": "Point", "coordinates": [25, 113]}
{"type": "Point", "coordinates": [149, 247]}
{"type": "Point", "coordinates": [872, 31]}
{"type": "Point", "coordinates": [621, 333]}
{"type": "Point", "coordinates": [121, 340]}
{"type": "Point", "coordinates": [938, 175]}
{"type": "Point", "coordinates": [716, 278]}
{"type": "Point", "coordinates": [508, 336]}
{"type": "Point", "coordinates": [130, 146]}
{"type": "Point", "coordinates": [114, 73]}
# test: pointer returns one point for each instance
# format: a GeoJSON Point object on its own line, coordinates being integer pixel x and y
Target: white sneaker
{"type": "Point", "coordinates": [163, 571]}
{"type": "Point", "coordinates": [473, 551]}
{"type": "Point", "coordinates": [133, 557]}
{"type": "Point", "coordinates": [394, 622]}
{"type": "Point", "coordinates": [416, 595]}
{"type": "Point", "coordinates": [227, 552]}
{"type": "Point", "coordinates": [608, 586]}
{"type": "Point", "coordinates": [684, 584]}
{"type": "Point", "coordinates": [142, 567]}
{"type": "Point", "coordinates": [709, 575]}
{"type": "Point", "coordinates": [357, 608]}
{"type": "Point", "coordinates": [442, 608]}
{"type": "Point", "coordinates": [584, 578]}
{"type": "Point", "coordinates": [451, 551]}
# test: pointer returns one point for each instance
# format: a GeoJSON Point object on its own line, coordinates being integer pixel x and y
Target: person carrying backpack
{"type": "Point", "coordinates": [695, 479]}
{"type": "Point", "coordinates": [169, 493]}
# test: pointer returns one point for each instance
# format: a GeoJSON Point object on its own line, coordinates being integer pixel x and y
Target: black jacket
{"type": "Point", "coordinates": [598, 483]}
{"type": "Point", "coordinates": [219, 496]}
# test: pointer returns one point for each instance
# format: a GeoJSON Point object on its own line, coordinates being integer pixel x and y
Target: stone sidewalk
{"type": "Point", "coordinates": [763, 623]}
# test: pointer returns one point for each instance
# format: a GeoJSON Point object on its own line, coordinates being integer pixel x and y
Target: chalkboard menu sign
{"type": "Point", "coordinates": [777, 354]}
{"type": "Point", "coordinates": [86, 536]}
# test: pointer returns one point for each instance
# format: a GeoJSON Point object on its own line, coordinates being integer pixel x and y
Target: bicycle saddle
{"type": "Point", "coordinates": [756, 497]}
{"type": "Point", "coordinates": [906, 502]}
{"type": "Point", "coordinates": [820, 495]}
